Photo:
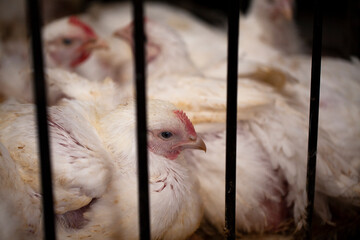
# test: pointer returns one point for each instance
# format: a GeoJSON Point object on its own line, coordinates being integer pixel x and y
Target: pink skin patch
{"type": "Point", "coordinates": [172, 155]}
{"type": "Point", "coordinates": [188, 125]}
{"type": "Point", "coordinates": [153, 51]}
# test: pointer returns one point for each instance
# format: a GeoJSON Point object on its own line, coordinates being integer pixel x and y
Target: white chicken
{"type": "Point", "coordinates": [162, 44]}
{"type": "Point", "coordinates": [340, 82]}
{"type": "Point", "coordinates": [272, 143]}
{"type": "Point", "coordinates": [339, 109]}
{"type": "Point", "coordinates": [193, 31]}
{"type": "Point", "coordinates": [271, 170]}
{"type": "Point", "coordinates": [339, 101]}
{"type": "Point", "coordinates": [180, 82]}
{"type": "Point", "coordinates": [268, 30]}
{"type": "Point", "coordinates": [94, 167]}
{"type": "Point", "coordinates": [260, 38]}
{"type": "Point", "coordinates": [68, 42]}
{"type": "Point", "coordinates": [66, 85]}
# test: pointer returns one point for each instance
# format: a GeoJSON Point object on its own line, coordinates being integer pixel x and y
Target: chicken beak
{"type": "Point", "coordinates": [94, 44]}
{"type": "Point", "coordinates": [125, 33]}
{"type": "Point", "coordinates": [197, 143]}
{"type": "Point", "coordinates": [286, 9]}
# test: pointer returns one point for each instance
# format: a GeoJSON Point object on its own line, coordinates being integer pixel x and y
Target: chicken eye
{"type": "Point", "coordinates": [166, 135]}
{"type": "Point", "coordinates": [67, 41]}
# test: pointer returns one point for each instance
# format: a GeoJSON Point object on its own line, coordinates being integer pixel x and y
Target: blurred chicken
{"type": "Point", "coordinates": [162, 44]}
{"type": "Point", "coordinates": [272, 143]}
{"type": "Point", "coordinates": [268, 30]}
{"type": "Point", "coordinates": [68, 42]}
{"type": "Point", "coordinates": [271, 170]}
{"type": "Point", "coordinates": [94, 167]}
{"type": "Point", "coordinates": [180, 82]}
{"type": "Point", "coordinates": [115, 63]}
{"type": "Point", "coordinates": [66, 85]}
{"type": "Point", "coordinates": [339, 99]}
{"type": "Point", "coordinates": [193, 31]}
{"type": "Point", "coordinates": [280, 50]}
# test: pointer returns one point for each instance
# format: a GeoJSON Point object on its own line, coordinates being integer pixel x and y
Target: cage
{"type": "Point", "coordinates": [215, 13]}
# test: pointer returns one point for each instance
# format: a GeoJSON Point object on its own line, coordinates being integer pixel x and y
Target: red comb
{"type": "Point", "coordinates": [189, 126]}
{"type": "Point", "coordinates": [87, 29]}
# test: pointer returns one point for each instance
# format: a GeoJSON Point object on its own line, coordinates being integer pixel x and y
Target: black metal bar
{"type": "Point", "coordinates": [314, 113]}
{"type": "Point", "coordinates": [34, 20]}
{"type": "Point", "coordinates": [139, 39]}
{"type": "Point", "coordinates": [231, 118]}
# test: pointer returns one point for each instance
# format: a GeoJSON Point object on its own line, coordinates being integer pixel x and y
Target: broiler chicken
{"type": "Point", "coordinates": [180, 82]}
{"type": "Point", "coordinates": [340, 82]}
{"type": "Point", "coordinates": [193, 31]}
{"type": "Point", "coordinates": [94, 170]}
{"type": "Point", "coordinates": [339, 109]}
{"type": "Point", "coordinates": [279, 50]}
{"type": "Point", "coordinates": [68, 42]}
{"type": "Point", "coordinates": [272, 143]}
{"type": "Point", "coordinates": [162, 44]}
{"type": "Point", "coordinates": [268, 30]}
{"type": "Point", "coordinates": [271, 170]}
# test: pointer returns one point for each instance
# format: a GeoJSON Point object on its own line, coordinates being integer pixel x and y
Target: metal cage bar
{"type": "Point", "coordinates": [314, 113]}
{"type": "Point", "coordinates": [34, 19]}
{"type": "Point", "coordinates": [140, 79]}
{"type": "Point", "coordinates": [231, 117]}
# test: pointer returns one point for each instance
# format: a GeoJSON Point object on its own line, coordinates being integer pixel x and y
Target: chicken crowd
{"type": "Point", "coordinates": [91, 119]}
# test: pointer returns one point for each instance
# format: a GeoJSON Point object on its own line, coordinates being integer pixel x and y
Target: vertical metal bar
{"type": "Point", "coordinates": [231, 117]}
{"type": "Point", "coordinates": [314, 113]}
{"type": "Point", "coordinates": [34, 20]}
{"type": "Point", "coordinates": [139, 37]}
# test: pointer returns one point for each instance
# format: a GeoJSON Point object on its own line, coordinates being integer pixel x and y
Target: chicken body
{"type": "Point", "coordinates": [271, 167]}
{"type": "Point", "coordinates": [339, 98]}
{"type": "Point", "coordinates": [94, 167]}
{"type": "Point", "coordinates": [272, 145]}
